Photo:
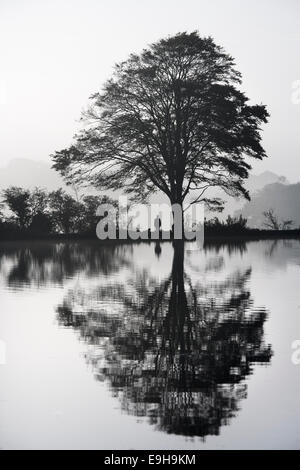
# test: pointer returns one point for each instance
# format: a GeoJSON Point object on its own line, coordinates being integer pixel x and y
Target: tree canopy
{"type": "Point", "coordinates": [172, 119]}
{"type": "Point", "coordinates": [37, 211]}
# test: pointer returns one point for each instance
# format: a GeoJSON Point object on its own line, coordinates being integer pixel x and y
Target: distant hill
{"type": "Point", "coordinates": [29, 174]}
{"type": "Point", "coordinates": [257, 182]}
{"type": "Point", "coordinates": [254, 184]}
{"type": "Point", "coordinates": [284, 199]}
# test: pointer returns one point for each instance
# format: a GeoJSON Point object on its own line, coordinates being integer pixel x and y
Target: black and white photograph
{"type": "Point", "coordinates": [149, 227]}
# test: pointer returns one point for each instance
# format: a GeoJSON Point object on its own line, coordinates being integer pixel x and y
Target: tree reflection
{"type": "Point", "coordinates": [41, 263]}
{"type": "Point", "coordinates": [173, 350]}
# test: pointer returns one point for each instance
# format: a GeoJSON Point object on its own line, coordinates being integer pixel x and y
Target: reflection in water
{"type": "Point", "coordinates": [173, 350]}
{"type": "Point", "coordinates": [39, 264]}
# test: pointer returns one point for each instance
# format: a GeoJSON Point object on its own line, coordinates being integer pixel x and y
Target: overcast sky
{"type": "Point", "coordinates": [55, 53]}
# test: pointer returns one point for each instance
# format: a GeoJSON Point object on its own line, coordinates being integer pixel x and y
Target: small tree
{"type": "Point", "coordinates": [41, 220]}
{"type": "Point", "coordinates": [65, 211]}
{"type": "Point", "coordinates": [39, 199]}
{"type": "Point", "coordinates": [89, 218]}
{"type": "Point", "coordinates": [232, 224]}
{"type": "Point", "coordinates": [236, 223]}
{"type": "Point", "coordinates": [272, 221]}
{"type": "Point", "coordinates": [18, 202]}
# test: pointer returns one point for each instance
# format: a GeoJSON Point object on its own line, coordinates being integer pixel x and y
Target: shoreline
{"type": "Point", "coordinates": [215, 237]}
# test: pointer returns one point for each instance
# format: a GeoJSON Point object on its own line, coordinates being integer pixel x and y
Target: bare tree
{"type": "Point", "coordinates": [272, 222]}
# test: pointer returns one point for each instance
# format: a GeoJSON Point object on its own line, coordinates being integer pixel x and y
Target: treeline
{"type": "Point", "coordinates": [230, 225]}
{"type": "Point", "coordinates": [39, 212]}
{"type": "Point", "coordinates": [36, 213]}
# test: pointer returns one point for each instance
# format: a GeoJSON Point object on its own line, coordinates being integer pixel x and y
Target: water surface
{"type": "Point", "coordinates": [149, 346]}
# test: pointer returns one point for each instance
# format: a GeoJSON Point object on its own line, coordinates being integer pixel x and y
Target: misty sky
{"type": "Point", "coordinates": [55, 53]}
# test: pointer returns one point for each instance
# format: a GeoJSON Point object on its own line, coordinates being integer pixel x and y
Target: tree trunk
{"type": "Point", "coordinates": [178, 217]}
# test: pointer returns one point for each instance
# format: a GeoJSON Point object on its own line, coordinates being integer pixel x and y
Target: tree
{"type": "Point", "coordinates": [89, 218]}
{"type": "Point", "coordinates": [272, 222]}
{"type": "Point", "coordinates": [39, 199]}
{"type": "Point", "coordinates": [65, 211]}
{"type": "Point", "coordinates": [41, 219]}
{"type": "Point", "coordinates": [232, 224]}
{"type": "Point", "coordinates": [18, 201]}
{"type": "Point", "coordinates": [30, 209]}
{"type": "Point", "coordinates": [2, 218]}
{"type": "Point", "coordinates": [170, 119]}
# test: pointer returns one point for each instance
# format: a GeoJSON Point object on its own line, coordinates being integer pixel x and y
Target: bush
{"type": "Point", "coordinates": [231, 225]}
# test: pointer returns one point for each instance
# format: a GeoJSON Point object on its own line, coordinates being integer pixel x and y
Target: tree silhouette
{"type": "Point", "coordinates": [38, 212]}
{"type": "Point", "coordinates": [66, 211]}
{"type": "Point", "coordinates": [170, 119]}
{"type": "Point", "coordinates": [172, 351]}
{"type": "Point", "coordinates": [272, 222]}
{"type": "Point", "coordinates": [18, 201]}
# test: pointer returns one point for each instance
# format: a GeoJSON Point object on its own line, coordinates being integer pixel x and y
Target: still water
{"type": "Point", "coordinates": [149, 346]}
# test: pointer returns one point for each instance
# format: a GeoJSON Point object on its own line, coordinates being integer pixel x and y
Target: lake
{"type": "Point", "coordinates": [149, 346]}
